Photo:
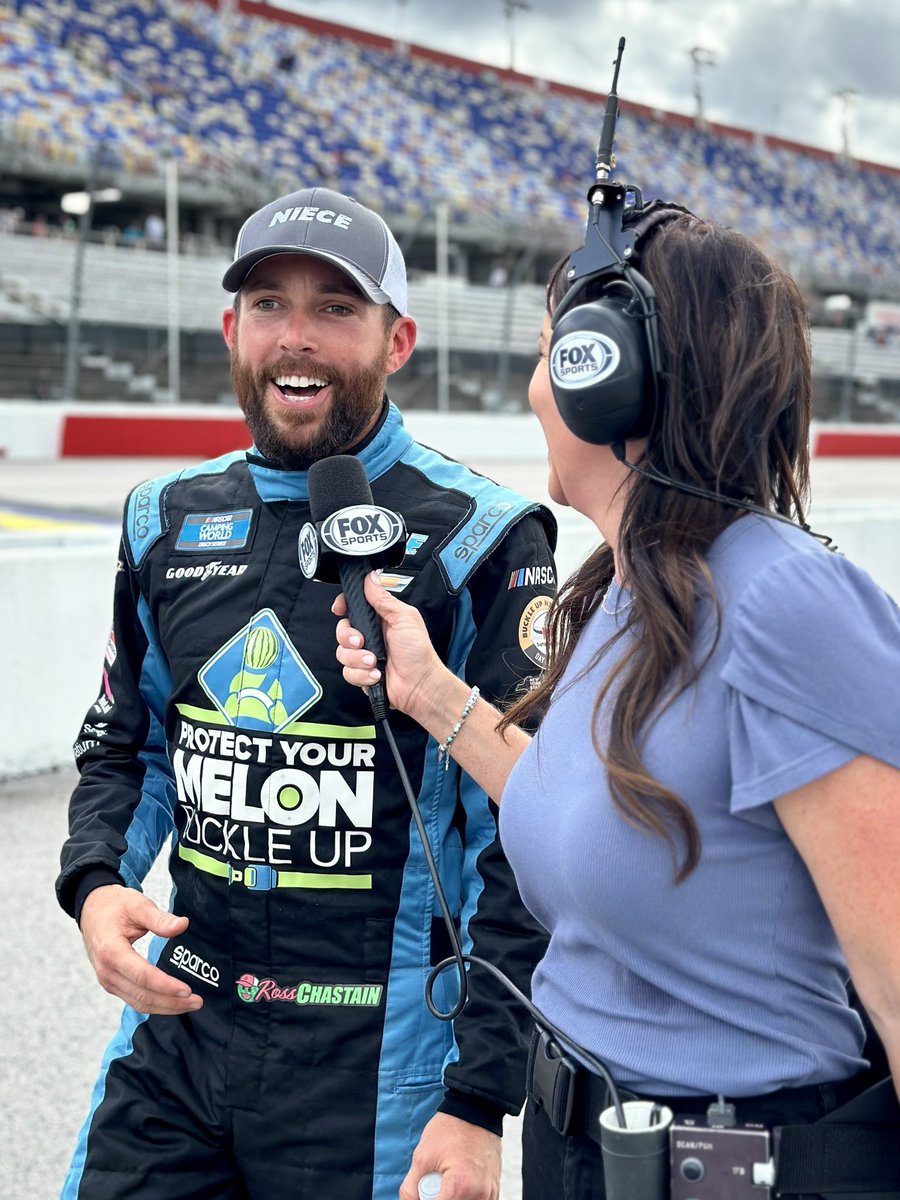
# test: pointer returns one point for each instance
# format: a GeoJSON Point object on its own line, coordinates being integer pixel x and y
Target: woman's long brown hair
{"type": "Point", "coordinates": [734, 417]}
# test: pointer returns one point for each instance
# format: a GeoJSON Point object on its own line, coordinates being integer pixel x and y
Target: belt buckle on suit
{"type": "Point", "coordinates": [256, 879]}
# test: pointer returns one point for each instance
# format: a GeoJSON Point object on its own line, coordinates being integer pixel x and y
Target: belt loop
{"type": "Point", "coordinates": [827, 1099]}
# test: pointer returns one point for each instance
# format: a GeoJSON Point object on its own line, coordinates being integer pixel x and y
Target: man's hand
{"type": "Point", "coordinates": [112, 919]}
{"type": "Point", "coordinates": [467, 1156]}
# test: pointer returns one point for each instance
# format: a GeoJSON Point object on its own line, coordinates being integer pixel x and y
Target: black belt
{"type": "Point", "coordinates": [845, 1139]}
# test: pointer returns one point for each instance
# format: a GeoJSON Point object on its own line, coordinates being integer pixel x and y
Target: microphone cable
{"type": "Point", "coordinates": [459, 958]}
{"type": "Point", "coordinates": [339, 494]}
{"type": "Point", "coordinates": [655, 476]}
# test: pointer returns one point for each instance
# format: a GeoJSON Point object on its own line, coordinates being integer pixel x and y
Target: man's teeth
{"type": "Point", "coordinates": [299, 381]}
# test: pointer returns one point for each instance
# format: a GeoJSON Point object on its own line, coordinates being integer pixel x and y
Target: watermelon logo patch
{"type": "Point", "coordinates": [258, 679]}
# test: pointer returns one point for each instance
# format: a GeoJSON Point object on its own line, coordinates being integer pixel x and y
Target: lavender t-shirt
{"type": "Point", "coordinates": [732, 981]}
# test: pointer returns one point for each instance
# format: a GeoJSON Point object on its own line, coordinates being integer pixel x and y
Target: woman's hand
{"type": "Point", "coordinates": [414, 672]}
{"type": "Point", "coordinates": [419, 684]}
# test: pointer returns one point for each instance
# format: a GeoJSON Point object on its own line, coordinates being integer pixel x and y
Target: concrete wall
{"type": "Point", "coordinates": [55, 607]}
{"type": "Point", "coordinates": [49, 430]}
{"type": "Point", "coordinates": [56, 590]}
{"type": "Point", "coordinates": [868, 534]}
{"type": "Point", "coordinates": [55, 612]}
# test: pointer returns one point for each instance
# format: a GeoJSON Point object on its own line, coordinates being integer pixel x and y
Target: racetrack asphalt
{"type": "Point", "coordinates": [54, 1016]}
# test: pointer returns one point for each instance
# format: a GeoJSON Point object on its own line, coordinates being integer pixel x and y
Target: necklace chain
{"type": "Point", "coordinates": [614, 612]}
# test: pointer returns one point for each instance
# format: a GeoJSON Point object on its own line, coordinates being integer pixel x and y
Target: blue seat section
{"type": "Point", "coordinates": [272, 100]}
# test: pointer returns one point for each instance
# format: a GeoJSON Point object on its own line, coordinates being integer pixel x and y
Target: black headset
{"type": "Point", "coordinates": [604, 355]}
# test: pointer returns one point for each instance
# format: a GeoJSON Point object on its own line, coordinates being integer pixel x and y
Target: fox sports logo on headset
{"type": "Point", "coordinates": [583, 358]}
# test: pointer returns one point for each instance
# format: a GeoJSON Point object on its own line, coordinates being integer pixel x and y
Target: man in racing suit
{"type": "Point", "coordinates": [277, 1044]}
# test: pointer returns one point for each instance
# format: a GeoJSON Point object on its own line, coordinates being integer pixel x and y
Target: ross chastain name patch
{"type": "Point", "coordinates": [222, 531]}
{"type": "Point", "coordinates": [253, 990]}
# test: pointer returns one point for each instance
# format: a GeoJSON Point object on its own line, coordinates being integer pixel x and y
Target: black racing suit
{"type": "Point", "coordinates": [223, 721]}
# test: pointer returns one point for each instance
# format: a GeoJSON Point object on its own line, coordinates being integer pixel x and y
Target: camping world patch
{"type": "Point", "coordinates": [221, 532]}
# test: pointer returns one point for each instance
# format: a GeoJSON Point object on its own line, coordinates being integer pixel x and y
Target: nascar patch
{"type": "Point", "coordinates": [543, 576]}
{"type": "Point", "coordinates": [222, 531]}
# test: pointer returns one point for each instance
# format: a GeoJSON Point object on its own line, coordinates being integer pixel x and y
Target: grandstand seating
{"type": "Point", "coordinates": [252, 103]}
{"type": "Point", "coordinates": [265, 98]}
{"type": "Point", "coordinates": [124, 316]}
{"type": "Point", "coordinates": [129, 287]}
{"type": "Point", "coordinates": [864, 370]}
{"type": "Point", "coordinates": [62, 107]}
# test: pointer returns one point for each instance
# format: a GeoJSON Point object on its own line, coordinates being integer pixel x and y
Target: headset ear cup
{"type": "Point", "coordinates": [601, 372]}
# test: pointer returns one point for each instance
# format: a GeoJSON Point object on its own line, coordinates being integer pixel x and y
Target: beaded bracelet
{"type": "Point", "coordinates": [444, 748]}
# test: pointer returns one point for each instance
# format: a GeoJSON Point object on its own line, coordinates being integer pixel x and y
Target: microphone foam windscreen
{"type": "Point", "coordinates": [337, 482]}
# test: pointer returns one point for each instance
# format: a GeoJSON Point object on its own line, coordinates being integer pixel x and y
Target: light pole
{"type": "Point", "coordinates": [701, 57]}
{"type": "Point", "coordinates": [402, 37]}
{"type": "Point", "coordinates": [846, 96]}
{"type": "Point", "coordinates": [522, 265]}
{"type": "Point", "coordinates": [81, 204]}
{"type": "Point", "coordinates": [442, 262]}
{"type": "Point", "coordinates": [173, 342]}
{"type": "Point", "coordinates": [510, 7]}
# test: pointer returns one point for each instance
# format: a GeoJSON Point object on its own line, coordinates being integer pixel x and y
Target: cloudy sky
{"type": "Point", "coordinates": [777, 64]}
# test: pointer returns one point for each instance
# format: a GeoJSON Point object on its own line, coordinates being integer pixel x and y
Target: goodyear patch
{"type": "Point", "coordinates": [221, 532]}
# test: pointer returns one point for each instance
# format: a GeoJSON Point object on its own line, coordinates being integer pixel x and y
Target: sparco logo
{"type": "Point", "coordinates": [206, 570]}
{"type": "Point", "coordinates": [480, 530]}
{"type": "Point", "coordinates": [186, 960]}
{"type": "Point", "coordinates": [361, 529]}
{"type": "Point", "coordinates": [582, 358]}
{"type": "Point", "coordinates": [140, 525]}
{"type": "Point", "coordinates": [327, 215]}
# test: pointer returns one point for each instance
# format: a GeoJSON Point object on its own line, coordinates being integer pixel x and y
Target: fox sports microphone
{"type": "Point", "coordinates": [352, 537]}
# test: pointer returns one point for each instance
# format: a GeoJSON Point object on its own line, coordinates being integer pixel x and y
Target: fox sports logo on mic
{"type": "Point", "coordinates": [582, 358]}
{"type": "Point", "coordinates": [361, 529]}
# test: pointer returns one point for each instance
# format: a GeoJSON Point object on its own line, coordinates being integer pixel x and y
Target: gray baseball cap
{"type": "Point", "coordinates": [326, 225]}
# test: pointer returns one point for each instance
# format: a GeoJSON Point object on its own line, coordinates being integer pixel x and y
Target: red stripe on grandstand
{"type": "Point", "coordinates": [175, 437]}
{"type": "Point", "coordinates": [847, 443]}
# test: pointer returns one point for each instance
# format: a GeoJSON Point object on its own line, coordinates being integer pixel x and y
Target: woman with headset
{"type": "Point", "coordinates": [708, 819]}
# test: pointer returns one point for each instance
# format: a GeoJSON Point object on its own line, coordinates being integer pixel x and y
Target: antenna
{"type": "Point", "coordinates": [607, 245]}
{"type": "Point", "coordinates": [606, 160]}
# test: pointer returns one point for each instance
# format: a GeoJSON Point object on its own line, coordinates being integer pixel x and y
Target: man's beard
{"type": "Point", "coordinates": [301, 437]}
